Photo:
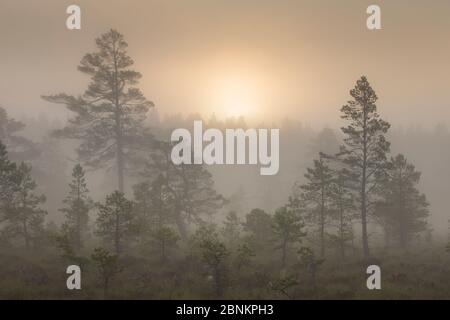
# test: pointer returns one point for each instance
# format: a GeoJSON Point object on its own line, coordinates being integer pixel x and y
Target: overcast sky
{"type": "Point", "coordinates": [262, 58]}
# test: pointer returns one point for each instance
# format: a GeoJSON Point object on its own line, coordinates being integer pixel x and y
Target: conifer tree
{"type": "Point", "coordinates": [288, 229]}
{"type": "Point", "coordinates": [24, 212]}
{"type": "Point", "coordinates": [403, 208]}
{"type": "Point", "coordinates": [365, 147]}
{"type": "Point", "coordinates": [342, 206]}
{"type": "Point", "coordinates": [116, 221]}
{"type": "Point", "coordinates": [107, 265]}
{"type": "Point", "coordinates": [315, 194]}
{"type": "Point", "coordinates": [231, 229]}
{"type": "Point", "coordinates": [213, 253]}
{"type": "Point", "coordinates": [77, 206]}
{"type": "Point", "coordinates": [19, 147]}
{"type": "Point", "coordinates": [8, 172]}
{"type": "Point", "coordinates": [258, 226]}
{"type": "Point", "coordinates": [164, 239]}
{"type": "Point", "coordinates": [109, 116]}
{"type": "Point", "coordinates": [190, 188]}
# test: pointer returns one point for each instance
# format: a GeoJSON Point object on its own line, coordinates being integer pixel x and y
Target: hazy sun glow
{"type": "Point", "coordinates": [235, 94]}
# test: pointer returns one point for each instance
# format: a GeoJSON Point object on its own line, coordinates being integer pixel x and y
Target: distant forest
{"type": "Point", "coordinates": [100, 191]}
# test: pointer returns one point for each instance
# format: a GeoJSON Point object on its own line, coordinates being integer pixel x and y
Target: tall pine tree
{"type": "Point", "coordinates": [365, 147]}
{"type": "Point", "coordinates": [315, 194]}
{"type": "Point", "coordinates": [109, 116]}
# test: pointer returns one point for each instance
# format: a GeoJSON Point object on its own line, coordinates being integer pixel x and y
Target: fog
{"type": "Point", "coordinates": [293, 59]}
{"type": "Point", "coordinates": [288, 65]}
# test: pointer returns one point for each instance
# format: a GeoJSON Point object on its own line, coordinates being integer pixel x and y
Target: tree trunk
{"type": "Point", "coordinates": [120, 165]}
{"type": "Point", "coordinates": [181, 226]}
{"type": "Point", "coordinates": [78, 213]}
{"type": "Point", "coordinates": [119, 135]}
{"type": "Point", "coordinates": [78, 230]}
{"type": "Point", "coordinates": [163, 251]}
{"type": "Point", "coordinates": [322, 225]}
{"type": "Point", "coordinates": [25, 234]}
{"type": "Point", "coordinates": [387, 238]}
{"type": "Point", "coordinates": [403, 235]}
{"type": "Point", "coordinates": [284, 253]}
{"type": "Point", "coordinates": [341, 233]}
{"type": "Point", "coordinates": [218, 282]}
{"type": "Point", "coordinates": [117, 236]}
{"type": "Point", "coordinates": [364, 220]}
{"type": "Point", "coordinates": [365, 239]}
{"type": "Point", "coordinates": [403, 228]}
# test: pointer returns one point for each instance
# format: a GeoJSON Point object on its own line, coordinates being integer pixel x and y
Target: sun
{"type": "Point", "coordinates": [235, 95]}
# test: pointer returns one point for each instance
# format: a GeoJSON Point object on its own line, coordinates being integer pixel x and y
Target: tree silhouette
{"type": "Point", "coordinates": [315, 194]}
{"type": "Point", "coordinates": [403, 209]}
{"type": "Point", "coordinates": [365, 146]}
{"type": "Point", "coordinates": [287, 229]}
{"type": "Point", "coordinates": [190, 188]}
{"type": "Point", "coordinates": [258, 226]}
{"type": "Point", "coordinates": [24, 212]}
{"type": "Point", "coordinates": [231, 229]}
{"type": "Point", "coordinates": [109, 116]}
{"type": "Point", "coordinates": [8, 171]}
{"type": "Point", "coordinates": [214, 253]}
{"type": "Point", "coordinates": [164, 238]}
{"type": "Point", "coordinates": [116, 220]}
{"type": "Point", "coordinates": [342, 203]}
{"type": "Point", "coordinates": [107, 266]}
{"type": "Point", "coordinates": [19, 147]}
{"type": "Point", "coordinates": [77, 206]}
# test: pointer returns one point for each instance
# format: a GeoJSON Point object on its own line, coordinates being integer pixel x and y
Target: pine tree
{"type": "Point", "coordinates": [154, 208]}
{"type": "Point", "coordinates": [288, 229]}
{"type": "Point", "coordinates": [116, 220]}
{"type": "Point", "coordinates": [24, 212]}
{"type": "Point", "coordinates": [107, 266]}
{"type": "Point", "coordinates": [342, 206]}
{"type": "Point", "coordinates": [403, 209]}
{"type": "Point", "coordinates": [214, 254]}
{"type": "Point", "coordinates": [144, 207]}
{"type": "Point", "coordinates": [312, 265]}
{"type": "Point", "coordinates": [284, 284]}
{"type": "Point", "coordinates": [231, 229]}
{"type": "Point", "coordinates": [77, 206]}
{"type": "Point", "coordinates": [315, 194]}
{"type": "Point", "coordinates": [196, 197]}
{"type": "Point", "coordinates": [244, 256]}
{"type": "Point", "coordinates": [365, 147]}
{"type": "Point", "coordinates": [110, 114]}
{"type": "Point", "coordinates": [19, 147]}
{"type": "Point", "coordinates": [164, 239]}
{"type": "Point", "coordinates": [190, 188]}
{"type": "Point", "coordinates": [258, 226]}
{"type": "Point", "coordinates": [8, 171]}
{"type": "Point", "coordinates": [153, 204]}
